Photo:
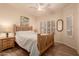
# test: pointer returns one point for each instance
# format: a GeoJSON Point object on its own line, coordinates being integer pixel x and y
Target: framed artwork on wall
{"type": "Point", "coordinates": [59, 25]}
{"type": "Point", "coordinates": [24, 20]}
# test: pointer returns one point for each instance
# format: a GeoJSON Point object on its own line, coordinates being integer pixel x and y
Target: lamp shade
{"type": "Point", "coordinates": [7, 28]}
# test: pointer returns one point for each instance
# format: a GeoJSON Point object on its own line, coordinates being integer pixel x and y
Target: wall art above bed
{"type": "Point", "coordinates": [24, 20]}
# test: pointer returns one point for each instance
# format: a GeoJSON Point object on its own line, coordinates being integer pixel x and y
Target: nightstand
{"type": "Point", "coordinates": [6, 43]}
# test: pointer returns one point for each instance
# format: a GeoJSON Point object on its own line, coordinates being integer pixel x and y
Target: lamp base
{"type": "Point", "coordinates": [6, 34]}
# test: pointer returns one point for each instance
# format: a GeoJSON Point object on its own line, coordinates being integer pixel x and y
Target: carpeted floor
{"type": "Point", "coordinates": [56, 50]}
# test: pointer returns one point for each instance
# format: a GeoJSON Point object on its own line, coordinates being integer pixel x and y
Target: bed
{"type": "Point", "coordinates": [36, 44]}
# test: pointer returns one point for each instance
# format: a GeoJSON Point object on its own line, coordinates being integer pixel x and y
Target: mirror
{"type": "Point", "coordinates": [60, 25]}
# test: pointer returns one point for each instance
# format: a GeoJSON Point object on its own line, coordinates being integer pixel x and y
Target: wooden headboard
{"type": "Point", "coordinates": [22, 28]}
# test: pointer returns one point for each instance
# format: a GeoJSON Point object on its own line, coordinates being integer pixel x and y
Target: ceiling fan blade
{"type": "Point", "coordinates": [40, 5]}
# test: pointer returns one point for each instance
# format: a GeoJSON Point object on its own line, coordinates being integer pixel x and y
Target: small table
{"type": "Point", "coordinates": [6, 43]}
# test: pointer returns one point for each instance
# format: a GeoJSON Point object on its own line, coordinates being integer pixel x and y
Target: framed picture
{"type": "Point", "coordinates": [60, 25]}
{"type": "Point", "coordinates": [24, 20]}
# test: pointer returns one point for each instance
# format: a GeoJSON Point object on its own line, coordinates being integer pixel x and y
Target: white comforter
{"type": "Point", "coordinates": [28, 41]}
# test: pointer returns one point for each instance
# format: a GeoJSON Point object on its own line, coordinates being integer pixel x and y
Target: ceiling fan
{"type": "Point", "coordinates": [40, 6]}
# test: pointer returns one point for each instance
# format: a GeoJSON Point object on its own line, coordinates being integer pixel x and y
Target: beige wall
{"type": "Point", "coordinates": [10, 16]}
{"type": "Point", "coordinates": [70, 10]}
{"type": "Point", "coordinates": [77, 27]}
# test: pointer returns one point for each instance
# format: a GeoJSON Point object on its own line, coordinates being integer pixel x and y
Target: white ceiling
{"type": "Point", "coordinates": [32, 8]}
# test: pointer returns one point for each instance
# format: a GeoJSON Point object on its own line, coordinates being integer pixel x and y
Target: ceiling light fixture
{"type": "Point", "coordinates": [39, 7]}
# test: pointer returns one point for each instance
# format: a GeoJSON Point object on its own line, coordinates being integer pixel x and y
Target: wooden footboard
{"type": "Point", "coordinates": [44, 42]}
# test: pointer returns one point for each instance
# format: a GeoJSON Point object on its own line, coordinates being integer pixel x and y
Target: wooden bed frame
{"type": "Point", "coordinates": [44, 41]}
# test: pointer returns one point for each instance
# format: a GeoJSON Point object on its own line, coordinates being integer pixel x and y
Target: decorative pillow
{"type": "Point", "coordinates": [11, 35]}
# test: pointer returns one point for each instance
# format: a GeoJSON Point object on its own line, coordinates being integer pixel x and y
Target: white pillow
{"type": "Point", "coordinates": [11, 35]}
{"type": "Point", "coordinates": [24, 33]}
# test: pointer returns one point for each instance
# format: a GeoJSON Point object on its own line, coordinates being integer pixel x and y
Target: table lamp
{"type": "Point", "coordinates": [7, 29]}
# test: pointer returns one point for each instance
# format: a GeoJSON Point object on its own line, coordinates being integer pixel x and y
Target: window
{"type": "Point", "coordinates": [69, 26]}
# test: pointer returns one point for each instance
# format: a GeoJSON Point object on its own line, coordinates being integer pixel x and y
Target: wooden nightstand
{"type": "Point", "coordinates": [6, 43]}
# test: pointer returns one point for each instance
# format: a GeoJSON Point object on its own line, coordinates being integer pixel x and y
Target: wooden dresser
{"type": "Point", "coordinates": [6, 43]}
